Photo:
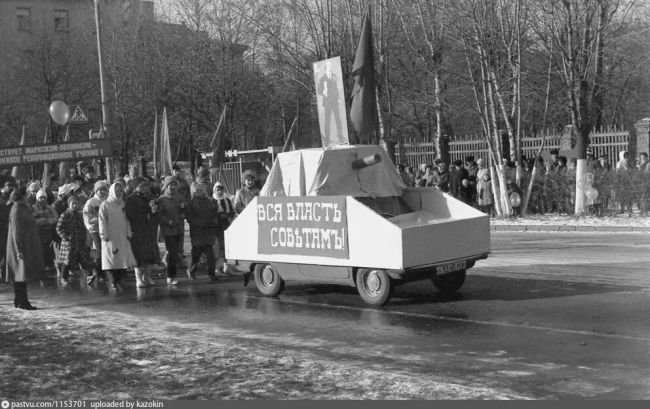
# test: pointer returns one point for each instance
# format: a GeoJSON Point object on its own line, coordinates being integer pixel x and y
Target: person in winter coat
{"type": "Point", "coordinates": [46, 219]}
{"type": "Point", "coordinates": [201, 215]}
{"type": "Point", "coordinates": [484, 193]}
{"type": "Point", "coordinates": [144, 224]}
{"type": "Point", "coordinates": [24, 256]}
{"type": "Point", "coordinates": [91, 221]}
{"type": "Point", "coordinates": [466, 193]}
{"type": "Point", "coordinates": [5, 208]}
{"type": "Point", "coordinates": [442, 180]}
{"type": "Point", "coordinates": [247, 192]}
{"type": "Point", "coordinates": [115, 232]}
{"type": "Point", "coordinates": [172, 224]}
{"type": "Point", "coordinates": [74, 250]}
{"type": "Point", "coordinates": [225, 215]}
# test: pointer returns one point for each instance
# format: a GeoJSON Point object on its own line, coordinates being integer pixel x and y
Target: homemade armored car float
{"type": "Point", "coordinates": [342, 215]}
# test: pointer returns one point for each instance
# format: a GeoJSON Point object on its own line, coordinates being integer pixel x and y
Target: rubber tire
{"type": "Point", "coordinates": [384, 291]}
{"type": "Point", "coordinates": [450, 283]}
{"type": "Point", "coordinates": [270, 287]}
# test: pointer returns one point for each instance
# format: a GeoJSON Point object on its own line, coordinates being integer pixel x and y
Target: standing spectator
{"type": "Point", "coordinates": [4, 228]}
{"type": "Point", "coordinates": [24, 257]}
{"type": "Point", "coordinates": [466, 192]}
{"type": "Point", "coordinates": [225, 216]}
{"type": "Point", "coordinates": [410, 176]}
{"type": "Point", "coordinates": [456, 176]}
{"type": "Point", "coordinates": [592, 162]}
{"type": "Point", "coordinates": [133, 173]}
{"type": "Point", "coordinates": [74, 250]}
{"type": "Point", "coordinates": [115, 232]}
{"type": "Point", "coordinates": [623, 161]}
{"type": "Point", "coordinates": [170, 218]}
{"type": "Point", "coordinates": [642, 162]}
{"type": "Point", "coordinates": [202, 217]}
{"type": "Point", "coordinates": [553, 162]}
{"type": "Point", "coordinates": [46, 220]}
{"type": "Point", "coordinates": [183, 196]}
{"type": "Point", "coordinates": [442, 179]}
{"type": "Point", "coordinates": [401, 170]}
{"type": "Point", "coordinates": [91, 221]}
{"type": "Point", "coordinates": [247, 192]}
{"type": "Point", "coordinates": [89, 180]}
{"type": "Point", "coordinates": [471, 166]}
{"type": "Point", "coordinates": [428, 179]}
{"type": "Point", "coordinates": [484, 194]}
{"type": "Point", "coordinates": [203, 176]}
{"type": "Point", "coordinates": [32, 189]}
{"type": "Point", "coordinates": [144, 223]}
{"type": "Point", "coordinates": [482, 168]}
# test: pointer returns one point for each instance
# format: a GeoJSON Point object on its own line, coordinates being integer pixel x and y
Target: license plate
{"type": "Point", "coordinates": [451, 267]}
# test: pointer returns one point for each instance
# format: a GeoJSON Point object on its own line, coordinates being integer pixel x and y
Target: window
{"type": "Point", "coordinates": [61, 22]}
{"type": "Point", "coordinates": [24, 19]}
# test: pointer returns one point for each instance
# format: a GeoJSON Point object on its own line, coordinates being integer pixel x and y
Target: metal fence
{"type": "Point", "coordinates": [606, 142]}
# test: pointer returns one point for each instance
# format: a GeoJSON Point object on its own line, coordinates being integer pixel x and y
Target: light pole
{"type": "Point", "coordinates": [102, 82]}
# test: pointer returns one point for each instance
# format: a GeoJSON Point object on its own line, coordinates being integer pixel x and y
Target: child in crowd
{"type": "Point", "coordinates": [74, 250]}
{"type": "Point", "coordinates": [484, 194]}
{"type": "Point", "coordinates": [46, 220]}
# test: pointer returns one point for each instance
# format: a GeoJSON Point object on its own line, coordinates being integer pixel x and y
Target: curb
{"type": "Point", "coordinates": [568, 228]}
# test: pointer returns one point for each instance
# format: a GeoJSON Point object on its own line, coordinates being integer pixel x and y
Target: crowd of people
{"type": "Point", "coordinates": [553, 190]}
{"type": "Point", "coordinates": [106, 229]}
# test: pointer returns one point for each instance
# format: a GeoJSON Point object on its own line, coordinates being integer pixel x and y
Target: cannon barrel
{"type": "Point", "coordinates": [367, 161]}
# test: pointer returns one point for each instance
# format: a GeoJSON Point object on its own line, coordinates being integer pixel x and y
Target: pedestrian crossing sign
{"type": "Point", "coordinates": [78, 116]}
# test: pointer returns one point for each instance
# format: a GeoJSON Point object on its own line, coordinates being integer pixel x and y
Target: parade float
{"type": "Point", "coordinates": [342, 215]}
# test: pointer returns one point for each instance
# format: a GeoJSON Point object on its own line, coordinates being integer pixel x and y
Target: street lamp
{"type": "Point", "coordinates": [102, 82]}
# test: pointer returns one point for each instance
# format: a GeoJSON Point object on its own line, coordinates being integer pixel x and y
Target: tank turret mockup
{"type": "Point", "coordinates": [342, 215]}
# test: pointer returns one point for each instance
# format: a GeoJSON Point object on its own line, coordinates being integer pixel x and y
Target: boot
{"type": "Point", "coordinates": [23, 300]}
{"type": "Point", "coordinates": [146, 278]}
{"type": "Point", "coordinates": [112, 280]}
{"type": "Point", "coordinates": [92, 278]}
{"type": "Point", "coordinates": [139, 281]}
{"type": "Point", "coordinates": [16, 294]}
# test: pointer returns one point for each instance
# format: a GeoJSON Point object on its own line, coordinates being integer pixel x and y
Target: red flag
{"type": "Point", "coordinates": [363, 112]}
{"type": "Point", "coordinates": [156, 148]}
{"type": "Point", "coordinates": [215, 144]}
{"type": "Point", "coordinates": [165, 150]}
{"type": "Point", "coordinates": [47, 166]}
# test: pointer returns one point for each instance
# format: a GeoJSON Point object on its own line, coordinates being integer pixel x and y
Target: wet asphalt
{"type": "Point", "coordinates": [546, 316]}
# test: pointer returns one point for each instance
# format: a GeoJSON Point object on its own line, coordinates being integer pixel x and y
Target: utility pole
{"type": "Point", "coordinates": [102, 82]}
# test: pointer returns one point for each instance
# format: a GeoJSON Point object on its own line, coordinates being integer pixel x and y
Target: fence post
{"type": "Point", "coordinates": [642, 135]}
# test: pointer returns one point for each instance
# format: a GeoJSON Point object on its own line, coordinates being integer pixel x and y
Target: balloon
{"type": "Point", "coordinates": [515, 199]}
{"type": "Point", "coordinates": [59, 112]}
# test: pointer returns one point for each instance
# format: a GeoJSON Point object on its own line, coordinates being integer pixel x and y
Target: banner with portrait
{"type": "Point", "coordinates": [330, 99]}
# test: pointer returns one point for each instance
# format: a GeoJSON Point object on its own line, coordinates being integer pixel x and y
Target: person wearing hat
{"type": "Point", "coordinates": [144, 223]}
{"type": "Point", "coordinates": [183, 196]}
{"type": "Point", "coordinates": [91, 221]}
{"type": "Point", "coordinates": [203, 176]}
{"type": "Point", "coordinates": [24, 256]}
{"type": "Point", "coordinates": [88, 180]}
{"type": "Point", "coordinates": [592, 163]}
{"type": "Point", "coordinates": [225, 215]}
{"type": "Point", "coordinates": [172, 224]}
{"type": "Point", "coordinates": [32, 189]}
{"type": "Point", "coordinates": [74, 250]}
{"type": "Point", "coordinates": [115, 232]}
{"type": "Point", "coordinates": [553, 162]}
{"type": "Point", "coordinates": [201, 215]}
{"type": "Point", "coordinates": [46, 220]}
{"type": "Point", "coordinates": [247, 192]}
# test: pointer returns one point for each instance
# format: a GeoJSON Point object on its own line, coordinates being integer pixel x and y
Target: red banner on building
{"type": "Point", "coordinates": [309, 226]}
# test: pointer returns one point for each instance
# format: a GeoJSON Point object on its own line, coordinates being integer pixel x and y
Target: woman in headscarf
{"type": "Point", "coordinates": [172, 224]}
{"type": "Point", "coordinates": [115, 232]}
{"type": "Point", "coordinates": [91, 220]}
{"type": "Point", "coordinates": [74, 250]}
{"type": "Point", "coordinates": [144, 224]}
{"type": "Point", "coordinates": [46, 219]}
{"type": "Point", "coordinates": [225, 215]}
{"type": "Point", "coordinates": [24, 255]}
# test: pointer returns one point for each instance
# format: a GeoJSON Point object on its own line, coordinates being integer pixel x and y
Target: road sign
{"type": "Point", "coordinates": [78, 116]}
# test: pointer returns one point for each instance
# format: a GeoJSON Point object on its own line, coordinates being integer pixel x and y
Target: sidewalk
{"type": "Point", "coordinates": [568, 223]}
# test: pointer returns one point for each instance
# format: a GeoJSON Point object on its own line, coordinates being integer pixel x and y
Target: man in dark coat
{"type": "Point", "coordinates": [24, 256]}
{"type": "Point", "coordinates": [202, 216]}
{"type": "Point", "coordinates": [456, 175]}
